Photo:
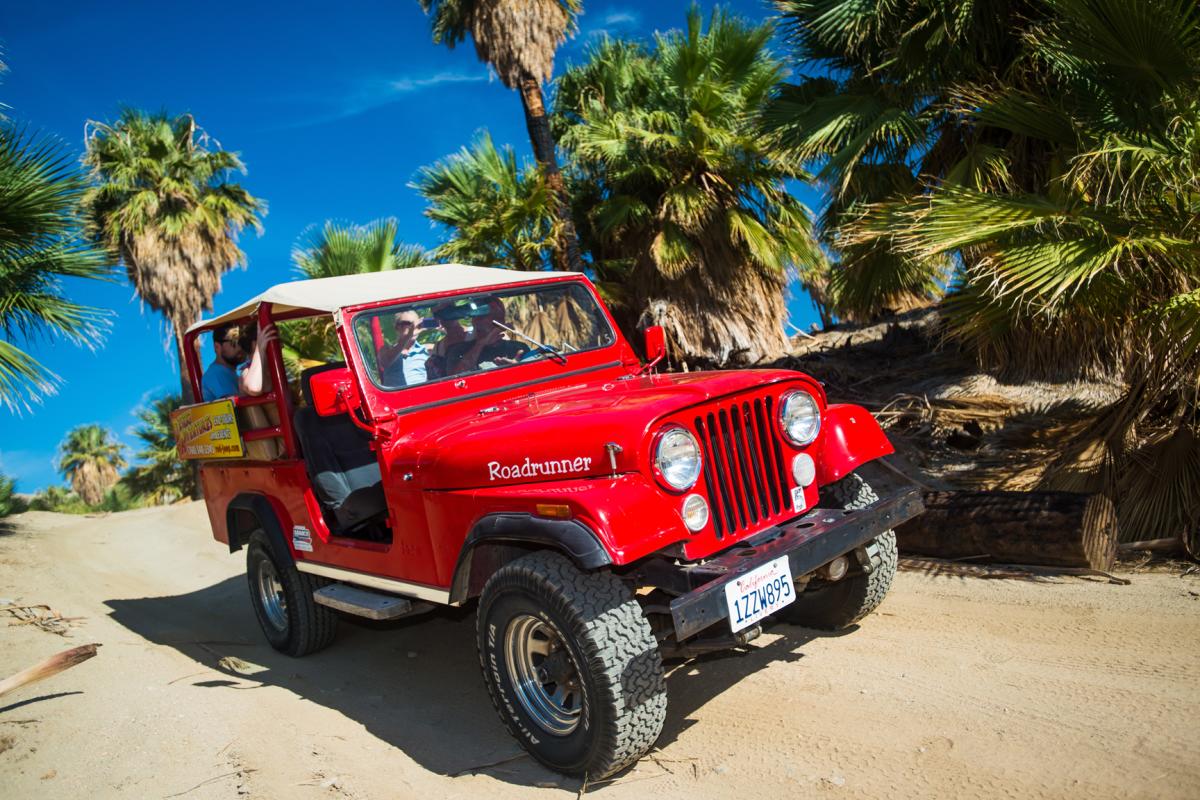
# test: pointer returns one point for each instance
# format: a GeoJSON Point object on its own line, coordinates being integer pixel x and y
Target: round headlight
{"type": "Point", "coordinates": [800, 417]}
{"type": "Point", "coordinates": [677, 459]}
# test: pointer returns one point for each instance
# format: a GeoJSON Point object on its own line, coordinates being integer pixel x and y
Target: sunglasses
{"type": "Point", "coordinates": [404, 324]}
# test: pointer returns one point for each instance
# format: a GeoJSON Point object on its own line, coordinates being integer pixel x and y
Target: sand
{"type": "Point", "coordinates": [957, 687]}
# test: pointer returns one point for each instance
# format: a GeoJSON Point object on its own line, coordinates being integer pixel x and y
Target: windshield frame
{"type": "Point", "coordinates": [606, 333]}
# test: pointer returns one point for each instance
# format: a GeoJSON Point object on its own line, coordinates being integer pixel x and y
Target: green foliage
{"type": "Point", "coordinates": [60, 500]}
{"type": "Point", "coordinates": [500, 213]}
{"type": "Point", "coordinates": [677, 176]}
{"type": "Point", "coordinates": [163, 477]}
{"type": "Point", "coordinates": [9, 502]}
{"type": "Point", "coordinates": [40, 246]}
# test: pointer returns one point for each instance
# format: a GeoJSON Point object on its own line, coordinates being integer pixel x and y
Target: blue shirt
{"type": "Point", "coordinates": [407, 368]}
{"type": "Point", "coordinates": [220, 380]}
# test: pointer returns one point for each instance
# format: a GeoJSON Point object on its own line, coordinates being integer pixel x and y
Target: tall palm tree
{"type": "Point", "coordinates": [162, 203]}
{"type": "Point", "coordinates": [163, 477]}
{"type": "Point", "coordinates": [90, 460]}
{"type": "Point", "coordinates": [499, 212]}
{"type": "Point", "coordinates": [40, 189]}
{"type": "Point", "coordinates": [680, 199]}
{"type": "Point", "coordinates": [340, 249]}
{"type": "Point", "coordinates": [518, 38]}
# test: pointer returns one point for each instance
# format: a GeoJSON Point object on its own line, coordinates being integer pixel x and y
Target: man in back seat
{"type": "Point", "coordinates": [222, 378]}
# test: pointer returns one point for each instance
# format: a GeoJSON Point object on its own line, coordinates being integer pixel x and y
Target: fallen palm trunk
{"type": "Point", "coordinates": [1054, 529]}
{"type": "Point", "coordinates": [51, 666]}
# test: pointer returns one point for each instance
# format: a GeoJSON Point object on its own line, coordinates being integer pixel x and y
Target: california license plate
{"type": "Point", "coordinates": [759, 593]}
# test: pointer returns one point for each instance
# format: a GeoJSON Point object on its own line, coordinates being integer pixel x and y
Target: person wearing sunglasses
{"type": "Point", "coordinates": [403, 363]}
{"type": "Point", "coordinates": [223, 378]}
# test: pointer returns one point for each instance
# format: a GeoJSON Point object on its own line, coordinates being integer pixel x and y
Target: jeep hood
{"type": "Point", "coordinates": [563, 433]}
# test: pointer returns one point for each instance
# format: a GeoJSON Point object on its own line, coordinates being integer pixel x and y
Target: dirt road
{"type": "Point", "coordinates": [957, 687]}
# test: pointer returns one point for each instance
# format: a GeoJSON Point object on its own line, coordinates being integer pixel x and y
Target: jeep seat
{"type": "Point", "coordinates": [339, 460]}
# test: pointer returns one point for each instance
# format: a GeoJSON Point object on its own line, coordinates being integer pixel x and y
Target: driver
{"type": "Point", "coordinates": [487, 346]}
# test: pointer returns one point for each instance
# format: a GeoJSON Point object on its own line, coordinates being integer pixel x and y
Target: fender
{"type": "Point", "coordinates": [517, 533]}
{"type": "Point", "coordinates": [247, 513]}
{"type": "Point", "coordinates": [850, 437]}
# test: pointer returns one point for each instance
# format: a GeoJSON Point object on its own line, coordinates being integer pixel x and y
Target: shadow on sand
{"type": "Point", "coordinates": [415, 684]}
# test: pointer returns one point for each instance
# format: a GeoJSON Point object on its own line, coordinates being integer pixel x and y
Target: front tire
{"type": "Point", "coordinates": [282, 598]}
{"type": "Point", "coordinates": [571, 665]}
{"type": "Point", "coordinates": [838, 605]}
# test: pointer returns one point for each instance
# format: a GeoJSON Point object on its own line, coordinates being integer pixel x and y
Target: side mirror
{"type": "Point", "coordinates": [656, 344]}
{"type": "Point", "coordinates": [333, 392]}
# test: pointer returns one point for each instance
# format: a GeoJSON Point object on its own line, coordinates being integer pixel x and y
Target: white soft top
{"type": "Point", "coordinates": [330, 294]}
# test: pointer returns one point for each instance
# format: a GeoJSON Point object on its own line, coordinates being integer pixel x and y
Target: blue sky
{"type": "Point", "coordinates": [333, 108]}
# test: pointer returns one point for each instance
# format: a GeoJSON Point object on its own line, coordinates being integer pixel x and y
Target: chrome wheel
{"type": "Point", "coordinates": [544, 674]}
{"type": "Point", "coordinates": [270, 595]}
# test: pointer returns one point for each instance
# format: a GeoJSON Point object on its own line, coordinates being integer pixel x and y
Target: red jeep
{"type": "Point", "coordinates": [517, 452]}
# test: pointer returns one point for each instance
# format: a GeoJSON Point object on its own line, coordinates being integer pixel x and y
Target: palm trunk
{"type": "Point", "coordinates": [725, 316]}
{"type": "Point", "coordinates": [566, 249]}
{"type": "Point", "coordinates": [184, 375]}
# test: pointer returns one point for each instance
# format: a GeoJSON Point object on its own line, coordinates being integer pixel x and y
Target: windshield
{"type": "Point", "coordinates": [415, 343]}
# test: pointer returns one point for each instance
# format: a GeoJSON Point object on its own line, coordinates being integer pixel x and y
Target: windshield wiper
{"type": "Point", "coordinates": [554, 353]}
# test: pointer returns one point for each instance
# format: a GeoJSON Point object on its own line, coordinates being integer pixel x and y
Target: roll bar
{"type": "Point", "coordinates": [278, 395]}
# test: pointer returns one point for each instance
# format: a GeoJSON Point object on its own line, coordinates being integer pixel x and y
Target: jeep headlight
{"type": "Point", "coordinates": [677, 459]}
{"type": "Point", "coordinates": [800, 417]}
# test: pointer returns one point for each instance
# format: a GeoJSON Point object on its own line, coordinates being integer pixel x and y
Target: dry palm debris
{"type": "Point", "coordinates": [42, 616]}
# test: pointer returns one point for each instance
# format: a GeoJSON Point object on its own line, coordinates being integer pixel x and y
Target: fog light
{"type": "Point", "coordinates": [803, 469]}
{"type": "Point", "coordinates": [836, 570]}
{"type": "Point", "coordinates": [695, 512]}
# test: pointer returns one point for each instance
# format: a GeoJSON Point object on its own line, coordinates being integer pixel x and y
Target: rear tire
{"type": "Point", "coordinates": [571, 665]}
{"type": "Point", "coordinates": [838, 605]}
{"type": "Point", "coordinates": [282, 598]}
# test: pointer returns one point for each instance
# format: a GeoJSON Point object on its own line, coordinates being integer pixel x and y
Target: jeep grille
{"type": "Point", "coordinates": [744, 470]}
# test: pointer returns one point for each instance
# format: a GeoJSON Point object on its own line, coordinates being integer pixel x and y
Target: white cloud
{"type": "Point", "coordinates": [616, 19]}
{"type": "Point", "coordinates": [409, 84]}
{"type": "Point", "coordinates": [368, 95]}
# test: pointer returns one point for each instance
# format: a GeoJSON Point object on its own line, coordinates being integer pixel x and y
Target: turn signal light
{"type": "Point", "coordinates": [553, 510]}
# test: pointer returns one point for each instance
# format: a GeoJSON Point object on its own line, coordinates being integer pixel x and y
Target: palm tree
{"type": "Point", "coordinates": [90, 460]}
{"type": "Point", "coordinates": [40, 189]}
{"type": "Point", "coordinates": [163, 478]}
{"type": "Point", "coordinates": [869, 116]}
{"type": "Point", "coordinates": [1059, 170]}
{"type": "Point", "coordinates": [679, 198]}
{"type": "Point", "coordinates": [10, 502]}
{"type": "Point", "coordinates": [162, 203]}
{"type": "Point", "coordinates": [500, 213]}
{"type": "Point", "coordinates": [340, 249]}
{"type": "Point", "coordinates": [518, 38]}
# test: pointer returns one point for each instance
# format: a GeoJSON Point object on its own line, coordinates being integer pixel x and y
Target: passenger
{"type": "Point", "coordinates": [222, 378]}
{"type": "Point", "coordinates": [487, 347]}
{"type": "Point", "coordinates": [403, 363]}
{"type": "Point", "coordinates": [454, 333]}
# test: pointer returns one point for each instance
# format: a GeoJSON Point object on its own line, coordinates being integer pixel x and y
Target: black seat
{"type": "Point", "coordinates": [339, 460]}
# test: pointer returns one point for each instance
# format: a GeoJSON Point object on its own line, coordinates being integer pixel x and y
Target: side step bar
{"type": "Point", "coordinates": [365, 603]}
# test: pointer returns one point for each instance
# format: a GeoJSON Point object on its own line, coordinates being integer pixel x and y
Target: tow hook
{"type": "Point", "coordinates": [868, 557]}
{"type": "Point", "coordinates": [700, 646]}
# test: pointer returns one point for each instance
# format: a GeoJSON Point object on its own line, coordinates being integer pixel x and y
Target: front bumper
{"type": "Point", "coordinates": [809, 542]}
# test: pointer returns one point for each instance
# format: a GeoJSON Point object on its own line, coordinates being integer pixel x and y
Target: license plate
{"type": "Point", "coordinates": [760, 592]}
